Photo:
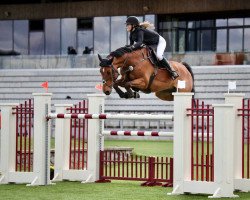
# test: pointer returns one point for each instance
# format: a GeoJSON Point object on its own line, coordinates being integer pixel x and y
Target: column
{"type": "Point", "coordinates": [42, 132]}
{"type": "Point", "coordinates": [182, 141]}
{"type": "Point", "coordinates": [62, 142]}
{"type": "Point", "coordinates": [8, 141]}
{"type": "Point", "coordinates": [95, 140]}
{"type": "Point", "coordinates": [223, 150]}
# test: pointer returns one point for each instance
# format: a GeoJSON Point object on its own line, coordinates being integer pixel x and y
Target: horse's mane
{"type": "Point", "coordinates": [120, 52]}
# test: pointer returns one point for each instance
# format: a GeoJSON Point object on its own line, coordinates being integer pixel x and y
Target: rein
{"type": "Point", "coordinates": [114, 71]}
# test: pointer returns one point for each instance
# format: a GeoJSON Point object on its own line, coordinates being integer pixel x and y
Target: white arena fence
{"type": "Point", "coordinates": [227, 148]}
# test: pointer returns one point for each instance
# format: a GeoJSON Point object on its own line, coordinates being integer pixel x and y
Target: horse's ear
{"type": "Point", "coordinates": [99, 56]}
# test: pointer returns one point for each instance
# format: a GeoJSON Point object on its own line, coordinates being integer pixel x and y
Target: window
{"type": "Point", "coordinates": [206, 40]}
{"type": "Point", "coordinates": [36, 25]}
{"type": "Point", "coordinates": [191, 24]}
{"type": "Point", "coordinates": [191, 40]}
{"type": "Point", "coordinates": [85, 24]}
{"type": "Point", "coordinates": [181, 41]}
{"type": "Point", "coordinates": [84, 39]}
{"type": "Point", "coordinates": [68, 33]}
{"type": "Point", "coordinates": [235, 39]}
{"type": "Point", "coordinates": [221, 40]}
{"type": "Point", "coordinates": [118, 32]}
{"type": "Point", "coordinates": [167, 36]}
{"type": "Point", "coordinates": [151, 19]}
{"type": "Point", "coordinates": [102, 35]}
{"type": "Point", "coordinates": [37, 43]}
{"type": "Point", "coordinates": [52, 36]}
{"type": "Point", "coordinates": [247, 21]}
{"type": "Point", "coordinates": [235, 22]}
{"type": "Point", "coordinates": [207, 23]}
{"type": "Point", "coordinates": [247, 39]}
{"type": "Point", "coordinates": [205, 32]}
{"type": "Point", "coordinates": [84, 34]}
{"type": "Point", "coordinates": [21, 35]}
{"type": "Point", "coordinates": [36, 37]}
{"type": "Point", "coordinates": [6, 41]}
{"type": "Point", "coordinates": [221, 22]}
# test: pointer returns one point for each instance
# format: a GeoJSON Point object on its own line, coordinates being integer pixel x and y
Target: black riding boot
{"type": "Point", "coordinates": [164, 63]}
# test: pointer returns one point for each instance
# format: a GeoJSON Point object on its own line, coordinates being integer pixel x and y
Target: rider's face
{"type": "Point", "coordinates": [129, 27]}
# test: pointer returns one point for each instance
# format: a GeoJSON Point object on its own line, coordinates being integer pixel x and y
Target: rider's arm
{"type": "Point", "coordinates": [131, 40]}
{"type": "Point", "coordinates": [140, 38]}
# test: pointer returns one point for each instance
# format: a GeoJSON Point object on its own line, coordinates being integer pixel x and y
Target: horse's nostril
{"type": "Point", "coordinates": [107, 93]}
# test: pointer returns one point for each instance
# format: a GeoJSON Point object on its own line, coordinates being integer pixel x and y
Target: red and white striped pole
{"type": "Point", "coordinates": [138, 133]}
{"type": "Point", "coordinates": [111, 116]}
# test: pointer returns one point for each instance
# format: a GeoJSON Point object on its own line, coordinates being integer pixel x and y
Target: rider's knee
{"type": "Point", "coordinates": [159, 56]}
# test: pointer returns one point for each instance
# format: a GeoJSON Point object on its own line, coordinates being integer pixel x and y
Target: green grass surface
{"type": "Point", "coordinates": [145, 148]}
{"type": "Point", "coordinates": [117, 190]}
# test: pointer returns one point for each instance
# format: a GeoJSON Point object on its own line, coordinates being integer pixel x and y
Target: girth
{"type": "Point", "coordinates": [151, 79]}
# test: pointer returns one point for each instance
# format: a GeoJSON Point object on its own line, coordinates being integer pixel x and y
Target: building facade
{"type": "Point", "coordinates": [194, 28]}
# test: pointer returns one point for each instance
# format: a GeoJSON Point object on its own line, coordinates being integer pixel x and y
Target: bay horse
{"type": "Point", "coordinates": [135, 71]}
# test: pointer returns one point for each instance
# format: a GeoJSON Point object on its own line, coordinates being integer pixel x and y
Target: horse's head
{"type": "Point", "coordinates": [115, 64]}
{"type": "Point", "coordinates": [107, 73]}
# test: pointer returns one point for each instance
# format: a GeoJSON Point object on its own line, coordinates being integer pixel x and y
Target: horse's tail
{"type": "Point", "coordinates": [191, 72]}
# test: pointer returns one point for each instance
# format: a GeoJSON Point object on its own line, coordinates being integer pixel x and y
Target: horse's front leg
{"type": "Point", "coordinates": [123, 74]}
{"type": "Point", "coordinates": [128, 94]}
{"type": "Point", "coordinates": [139, 84]}
{"type": "Point", "coordinates": [131, 94]}
{"type": "Point", "coordinates": [119, 91]}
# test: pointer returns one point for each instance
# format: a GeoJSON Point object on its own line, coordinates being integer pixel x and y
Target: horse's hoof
{"type": "Point", "coordinates": [122, 96]}
{"type": "Point", "coordinates": [135, 89]}
{"type": "Point", "coordinates": [136, 95]}
{"type": "Point", "coordinates": [126, 95]}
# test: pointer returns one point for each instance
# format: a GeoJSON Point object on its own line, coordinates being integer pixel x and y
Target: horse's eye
{"type": "Point", "coordinates": [103, 81]}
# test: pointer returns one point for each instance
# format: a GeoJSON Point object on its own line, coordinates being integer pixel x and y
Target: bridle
{"type": "Point", "coordinates": [113, 73]}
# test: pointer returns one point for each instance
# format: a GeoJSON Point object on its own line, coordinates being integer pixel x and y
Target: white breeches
{"type": "Point", "coordinates": [161, 48]}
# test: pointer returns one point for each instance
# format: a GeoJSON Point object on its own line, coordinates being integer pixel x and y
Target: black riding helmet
{"type": "Point", "coordinates": [133, 21]}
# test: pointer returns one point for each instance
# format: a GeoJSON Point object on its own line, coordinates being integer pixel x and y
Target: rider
{"type": "Point", "coordinates": [142, 36]}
